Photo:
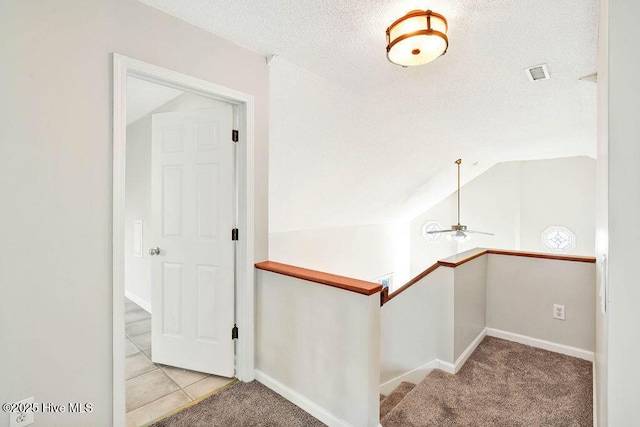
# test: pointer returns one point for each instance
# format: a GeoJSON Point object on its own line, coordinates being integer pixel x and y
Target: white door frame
{"type": "Point", "coordinates": [124, 67]}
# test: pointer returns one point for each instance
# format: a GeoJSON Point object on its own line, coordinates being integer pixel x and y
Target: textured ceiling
{"type": "Point", "coordinates": [475, 102]}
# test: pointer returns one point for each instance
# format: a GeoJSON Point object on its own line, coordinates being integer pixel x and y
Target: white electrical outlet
{"type": "Point", "coordinates": [558, 311]}
{"type": "Point", "coordinates": [24, 415]}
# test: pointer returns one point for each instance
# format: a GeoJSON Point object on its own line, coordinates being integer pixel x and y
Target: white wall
{"type": "Point", "coordinates": [363, 252]}
{"type": "Point", "coordinates": [434, 320]}
{"type": "Point", "coordinates": [321, 342]}
{"type": "Point", "coordinates": [321, 138]}
{"type": "Point", "coordinates": [137, 271]}
{"type": "Point", "coordinates": [558, 192]}
{"type": "Point", "coordinates": [470, 299]}
{"type": "Point", "coordinates": [488, 203]}
{"type": "Point", "coordinates": [416, 328]}
{"type": "Point", "coordinates": [623, 326]}
{"type": "Point", "coordinates": [516, 201]}
{"type": "Point", "coordinates": [55, 158]}
{"type": "Point", "coordinates": [138, 192]}
{"type": "Point", "coordinates": [602, 220]}
{"type": "Point", "coordinates": [321, 129]}
{"type": "Point", "coordinates": [431, 324]}
{"type": "Point", "coordinates": [521, 293]}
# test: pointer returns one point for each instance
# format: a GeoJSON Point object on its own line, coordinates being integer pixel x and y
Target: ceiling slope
{"type": "Point", "coordinates": [356, 140]}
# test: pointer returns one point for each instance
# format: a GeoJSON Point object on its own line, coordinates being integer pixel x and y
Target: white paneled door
{"type": "Point", "coordinates": [192, 268]}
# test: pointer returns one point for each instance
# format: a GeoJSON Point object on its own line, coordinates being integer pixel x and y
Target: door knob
{"type": "Point", "coordinates": [154, 251]}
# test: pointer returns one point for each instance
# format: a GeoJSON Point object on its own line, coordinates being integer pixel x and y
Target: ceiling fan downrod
{"type": "Point", "coordinates": [458, 226]}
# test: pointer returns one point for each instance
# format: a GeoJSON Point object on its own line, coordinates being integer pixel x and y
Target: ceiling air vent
{"type": "Point", "coordinates": [539, 72]}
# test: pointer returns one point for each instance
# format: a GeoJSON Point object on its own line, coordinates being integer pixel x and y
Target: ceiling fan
{"type": "Point", "coordinates": [459, 232]}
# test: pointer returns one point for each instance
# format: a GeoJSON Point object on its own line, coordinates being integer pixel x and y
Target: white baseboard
{"type": "Point", "coordinates": [470, 349]}
{"type": "Point", "coordinates": [414, 376]}
{"type": "Point", "coordinates": [449, 368]}
{"type": "Point", "coordinates": [293, 396]}
{"type": "Point", "coordinates": [545, 345]}
{"type": "Point", "coordinates": [145, 305]}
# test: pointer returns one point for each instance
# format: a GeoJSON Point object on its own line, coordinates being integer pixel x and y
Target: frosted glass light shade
{"type": "Point", "coordinates": [417, 38]}
{"type": "Point", "coordinates": [459, 236]}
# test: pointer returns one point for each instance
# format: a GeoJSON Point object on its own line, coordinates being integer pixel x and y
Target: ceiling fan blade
{"type": "Point", "coordinates": [438, 231]}
{"type": "Point", "coordinates": [479, 232]}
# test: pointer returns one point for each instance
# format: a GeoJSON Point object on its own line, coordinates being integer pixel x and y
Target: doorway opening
{"type": "Point", "coordinates": [154, 389]}
{"type": "Point", "coordinates": [183, 277]}
{"type": "Point", "coordinates": [179, 262]}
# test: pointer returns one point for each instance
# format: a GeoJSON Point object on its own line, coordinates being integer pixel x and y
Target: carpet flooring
{"type": "Point", "coordinates": [502, 384]}
{"type": "Point", "coordinates": [395, 397]}
{"type": "Point", "coordinates": [242, 405]}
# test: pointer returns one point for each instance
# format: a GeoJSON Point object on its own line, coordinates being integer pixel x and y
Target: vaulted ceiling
{"type": "Point", "coordinates": [396, 131]}
{"type": "Point", "coordinates": [143, 97]}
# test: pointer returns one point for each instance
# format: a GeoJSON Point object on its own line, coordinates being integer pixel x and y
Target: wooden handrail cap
{"type": "Point", "coordinates": [342, 282]}
{"type": "Point", "coordinates": [463, 257]}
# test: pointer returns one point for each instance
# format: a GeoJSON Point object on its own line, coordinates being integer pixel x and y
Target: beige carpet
{"type": "Point", "coordinates": [502, 384]}
{"type": "Point", "coordinates": [395, 397]}
{"type": "Point", "coordinates": [242, 405]}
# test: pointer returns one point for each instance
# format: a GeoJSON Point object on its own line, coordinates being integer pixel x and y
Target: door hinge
{"type": "Point", "coordinates": [234, 332]}
{"type": "Point", "coordinates": [234, 135]}
{"type": "Point", "coordinates": [234, 234]}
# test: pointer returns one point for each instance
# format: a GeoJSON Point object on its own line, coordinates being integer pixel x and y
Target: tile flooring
{"type": "Point", "coordinates": [154, 390]}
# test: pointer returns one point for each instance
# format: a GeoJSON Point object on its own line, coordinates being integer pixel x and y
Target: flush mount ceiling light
{"type": "Point", "coordinates": [458, 232]}
{"type": "Point", "coordinates": [417, 38]}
